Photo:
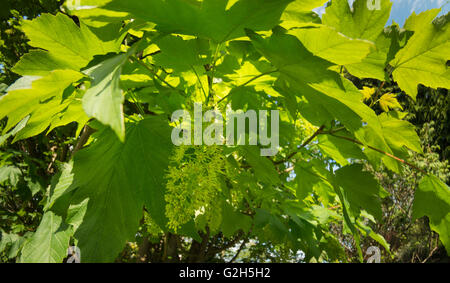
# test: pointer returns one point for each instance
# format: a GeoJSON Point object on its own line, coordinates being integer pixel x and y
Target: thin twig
{"type": "Point", "coordinates": [381, 151]}
{"type": "Point", "coordinates": [310, 139]}
{"type": "Point", "coordinates": [430, 255]}
{"type": "Point", "coordinates": [239, 250]}
{"type": "Point", "coordinates": [332, 131]}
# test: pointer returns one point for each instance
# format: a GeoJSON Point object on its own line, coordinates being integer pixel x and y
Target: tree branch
{"type": "Point", "coordinates": [214, 250]}
{"type": "Point", "coordinates": [239, 250]}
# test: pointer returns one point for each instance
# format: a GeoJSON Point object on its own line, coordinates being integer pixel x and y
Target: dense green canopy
{"type": "Point", "coordinates": [102, 80]}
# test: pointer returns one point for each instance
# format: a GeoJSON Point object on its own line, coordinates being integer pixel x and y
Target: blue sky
{"type": "Point", "coordinates": [401, 9]}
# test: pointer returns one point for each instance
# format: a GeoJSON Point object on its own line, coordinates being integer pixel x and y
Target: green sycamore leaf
{"type": "Point", "coordinates": [424, 58]}
{"type": "Point", "coordinates": [246, 98]}
{"type": "Point", "coordinates": [68, 45]}
{"type": "Point", "coordinates": [16, 102]}
{"type": "Point", "coordinates": [40, 63]}
{"type": "Point", "coordinates": [256, 73]}
{"type": "Point", "coordinates": [219, 20]}
{"type": "Point", "coordinates": [187, 59]}
{"type": "Point", "coordinates": [7, 241]}
{"type": "Point", "coordinates": [181, 55]}
{"type": "Point", "coordinates": [310, 106]}
{"type": "Point", "coordinates": [400, 134]}
{"type": "Point", "coordinates": [360, 23]}
{"type": "Point", "coordinates": [104, 99]}
{"type": "Point", "coordinates": [313, 177]}
{"type": "Point", "coordinates": [62, 184]}
{"type": "Point", "coordinates": [374, 64]}
{"type": "Point", "coordinates": [190, 230]}
{"type": "Point", "coordinates": [22, 83]}
{"type": "Point", "coordinates": [271, 228]}
{"type": "Point", "coordinates": [71, 110]}
{"type": "Point", "coordinates": [264, 168]}
{"type": "Point", "coordinates": [108, 26]}
{"type": "Point", "coordinates": [50, 241]}
{"type": "Point", "coordinates": [340, 150]}
{"type": "Point", "coordinates": [14, 131]}
{"type": "Point", "coordinates": [41, 98]}
{"type": "Point", "coordinates": [361, 190]}
{"type": "Point", "coordinates": [299, 12]}
{"type": "Point", "coordinates": [327, 43]}
{"type": "Point", "coordinates": [91, 14]}
{"type": "Point", "coordinates": [432, 199]}
{"type": "Point", "coordinates": [118, 179]}
{"type": "Point", "coordinates": [367, 231]}
{"type": "Point", "coordinates": [53, 114]}
{"type": "Point", "coordinates": [305, 5]}
{"type": "Point", "coordinates": [233, 221]}
{"type": "Point", "coordinates": [308, 75]}
{"type": "Point", "coordinates": [76, 213]}
{"type": "Point", "coordinates": [11, 174]}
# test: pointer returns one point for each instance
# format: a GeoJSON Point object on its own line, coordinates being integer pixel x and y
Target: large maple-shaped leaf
{"type": "Point", "coordinates": [359, 22]}
{"type": "Point", "coordinates": [400, 133]}
{"type": "Point", "coordinates": [309, 76]}
{"type": "Point", "coordinates": [373, 66]}
{"type": "Point", "coordinates": [178, 54]}
{"type": "Point", "coordinates": [432, 198]}
{"type": "Point", "coordinates": [335, 47]}
{"type": "Point", "coordinates": [219, 20]}
{"type": "Point", "coordinates": [42, 99]}
{"type": "Point", "coordinates": [68, 45]}
{"type": "Point", "coordinates": [424, 58]}
{"type": "Point", "coordinates": [365, 24]}
{"type": "Point", "coordinates": [40, 63]}
{"type": "Point", "coordinates": [119, 179]}
{"type": "Point", "coordinates": [64, 49]}
{"type": "Point", "coordinates": [361, 189]}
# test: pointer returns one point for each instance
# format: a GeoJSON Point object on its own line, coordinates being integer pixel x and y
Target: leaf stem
{"type": "Point", "coordinates": [332, 131]}
{"type": "Point", "coordinates": [213, 72]}
{"type": "Point", "coordinates": [153, 72]}
{"type": "Point", "coordinates": [138, 105]}
{"type": "Point", "coordinates": [200, 82]}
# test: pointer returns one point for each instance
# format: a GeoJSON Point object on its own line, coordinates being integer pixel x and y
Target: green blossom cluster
{"type": "Point", "coordinates": [193, 184]}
